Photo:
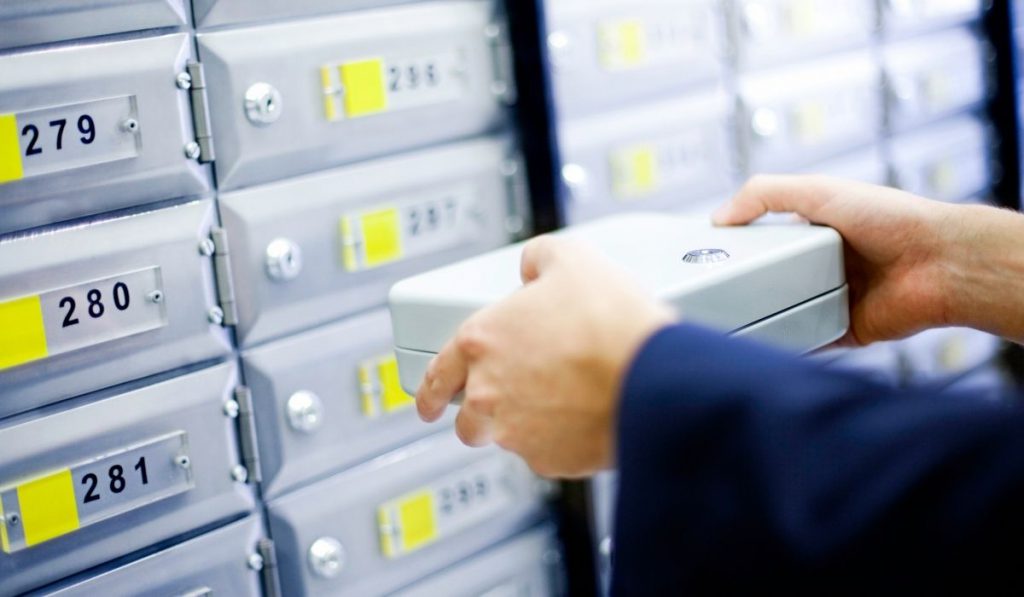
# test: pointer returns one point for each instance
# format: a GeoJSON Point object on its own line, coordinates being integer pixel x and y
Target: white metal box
{"type": "Point", "coordinates": [783, 284]}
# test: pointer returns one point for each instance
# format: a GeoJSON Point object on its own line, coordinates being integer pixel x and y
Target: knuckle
{"type": "Point", "coordinates": [471, 338]}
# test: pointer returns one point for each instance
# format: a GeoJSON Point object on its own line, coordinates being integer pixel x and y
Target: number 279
{"type": "Point", "coordinates": [86, 129]}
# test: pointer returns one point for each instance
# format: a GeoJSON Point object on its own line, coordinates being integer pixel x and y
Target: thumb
{"type": "Point", "coordinates": [762, 194]}
{"type": "Point", "coordinates": [539, 255]}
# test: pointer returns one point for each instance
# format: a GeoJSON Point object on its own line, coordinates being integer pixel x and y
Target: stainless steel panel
{"type": "Point", "coordinates": [934, 76]}
{"type": "Point", "coordinates": [215, 563]}
{"type": "Point", "coordinates": [128, 150]}
{"type": "Point", "coordinates": [167, 294]}
{"type": "Point", "coordinates": [334, 537]}
{"type": "Point", "coordinates": [394, 79]}
{"type": "Point", "coordinates": [527, 566]}
{"type": "Point", "coordinates": [797, 116]}
{"type": "Point", "coordinates": [211, 13]}
{"type": "Point", "coordinates": [771, 31]}
{"type": "Point", "coordinates": [609, 54]}
{"type": "Point", "coordinates": [26, 22]}
{"type": "Point", "coordinates": [654, 156]}
{"type": "Point", "coordinates": [950, 161]}
{"type": "Point", "coordinates": [45, 441]}
{"type": "Point", "coordinates": [311, 280]}
{"type": "Point", "coordinates": [322, 403]}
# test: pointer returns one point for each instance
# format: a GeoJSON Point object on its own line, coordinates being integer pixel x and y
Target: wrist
{"type": "Point", "coordinates": [981, 269]}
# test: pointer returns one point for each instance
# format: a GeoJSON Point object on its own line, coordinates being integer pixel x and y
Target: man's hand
{"type": "Point", "coordinates": [897, 247]}
{"type": "Point", "coordinates": [541, 371]}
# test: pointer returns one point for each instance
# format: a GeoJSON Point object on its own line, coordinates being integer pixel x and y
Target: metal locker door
{"type": "Point", "coordinates": [314, 249]}
{"type": "Point", "coordinates": [949, 161]}
{"type": "Point", "coordinates": [933, 77]}
{"type": "Point", "coordinates": [526, 566]}
{"type": "Point", "coordinates": [225, 561]}
{"type": "Point", "coordinates": [296, 97]}
{"type": "Point", "coordinates": [115, 473]}
{"type": "Point", "coordinates": [213, 13]}
{"type": "Point", "coordinates": [796, 116]}
{"type": "Point", "coordinates": [652, 156]}
{"type": "Point", "coordinates": [608, 53]}
{"type": "Point", "coordinates": [92, 305]}
{"type": "Point", "coordinates": [401, 517]}
{"type": "Point", "coordinates": [328, 399]}
{"type": "Point", "coordinates": [769, 32]}
{"type": "Point", "coordinates": [80, 141]}
{"type": "Point", "coordinates": [42, 21]}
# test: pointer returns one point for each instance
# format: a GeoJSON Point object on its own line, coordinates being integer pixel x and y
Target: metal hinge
{"type": "Point", "coordinates": [517, 197]}
{"type": "Point", "coordinates": [222, 276]}
{"type": "Point", "coordinates": [194, 80]}
{"type": "Point", "coordinates": [504, 84]}
{"type": "Point", "coordinates": [247, 434]}
{"type": "Point", "coordinates": [268, 573]}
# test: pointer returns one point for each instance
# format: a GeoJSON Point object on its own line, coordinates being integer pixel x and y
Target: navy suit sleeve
{"type": "Point", "coordinates": [743, 468]}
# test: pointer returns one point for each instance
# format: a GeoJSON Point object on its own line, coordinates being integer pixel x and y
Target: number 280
{"type": "Point", "coordinates": [96, 307]}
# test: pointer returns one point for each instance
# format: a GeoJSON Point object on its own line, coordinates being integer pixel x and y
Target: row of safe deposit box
{"type": "Point", "coordinates": [199, 228]}
{"type": "Point", "coordinates": [202, 210]}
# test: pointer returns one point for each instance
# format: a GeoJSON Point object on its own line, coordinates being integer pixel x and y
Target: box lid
{"type": "Point", "coordinates": [769, 268]}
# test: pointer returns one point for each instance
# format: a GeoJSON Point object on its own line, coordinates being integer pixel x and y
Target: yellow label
{"type": "Point", "coordinates": [803, 17]}
{"type": "Point", "coordinates": [365, 92]}
{"type": "Point", "coordinates": [810, 121]}
{"type": "Point", "coordinates": [938, 88]}
{"type": "Point", "coordinates": [48, 507]}
{"type": "Point", "coordinates": [10, 151]}
{"type": "Point", "coordinates": [22, 334]}
{"type": "Point", "coordinates": [382, 238]}
{"type": "Point", "coordinates": [393, 397]}
{"type": "Point", "coordinates": [417, 523]}
{"type": "Point", "coordinates": [636, 171]}
{"type": "Point", "coordinates": [944, 178]}
{"type": "Point", "coordinates": [330, 98]}
{"type": "Point", "coordinates": [625, 44]}
{"type": "Point", "coordinates": [4, 543]}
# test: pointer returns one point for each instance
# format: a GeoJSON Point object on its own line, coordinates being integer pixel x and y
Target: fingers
{"type": "Point", "coordinates": [445, 378]}
{"type": "Point", "coordinates": [538, 256]}
{"type": "Point", "coordinates": [763, 194]}
{"type": "Point", "coordinates": [472, 427]}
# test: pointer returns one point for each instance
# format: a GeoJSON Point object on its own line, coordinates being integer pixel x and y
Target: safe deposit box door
{"type": "Point", "coordinates": [42, 21]}
{"type": "Point", "coordinates": [296, 97]}
{"type": "Point", "coordinates": [950, 161]}
{"type": "Point", "coordinates": [654, 156]}
{"type": "Point", "coordinates": [328, 399]}
{"type": "Point", "coordinates": [401, 517]}
{"type": "Point", "coordinates": [210, 13]}
{"type": "Point", "coordinates": [313, 249]}
{"type": "Point", "coordinates": [934, 77]}
{"type": "Point", "coordinates": [91, 128]}
{"type": "Point", "coordinates": [799, 115]}
{"type": "Point", "coordinates": [608, 53]}
{"type": "Point", "coordinates": [771, 31]}
{"type": "Point", "coordinates": [527, 566]}
{"type": "Point", "coordinates": [106, 477]}
{"type": "Point", "coordinates": [89, 306]}
{"type": "Point", "coordinates": [212, 564]}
